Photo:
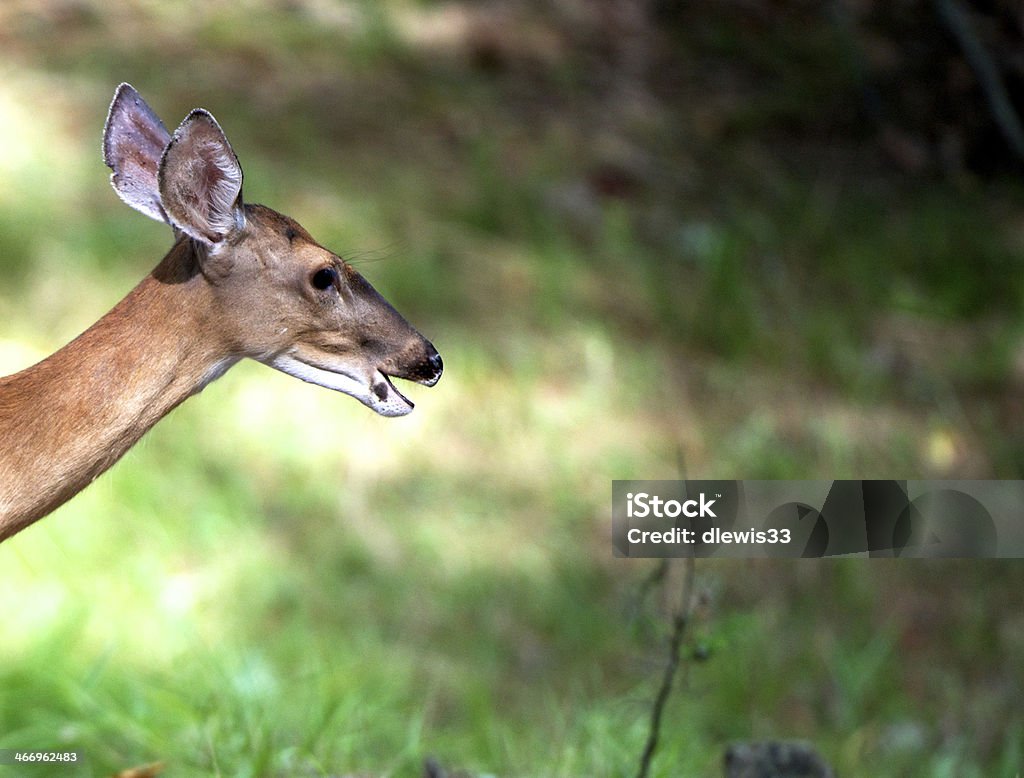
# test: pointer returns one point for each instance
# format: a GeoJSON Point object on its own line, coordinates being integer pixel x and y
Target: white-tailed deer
{"type": "Point", "coordinates": [241, 281]}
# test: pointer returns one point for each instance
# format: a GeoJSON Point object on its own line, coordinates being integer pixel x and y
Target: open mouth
{"type": "Point", "coordinates": [376, 391]}
{"type": "Point", "coordinates": [392, 402]}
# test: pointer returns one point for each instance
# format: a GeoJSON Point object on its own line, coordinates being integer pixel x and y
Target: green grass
{"type": "Point", "coordinates": [277, 582]}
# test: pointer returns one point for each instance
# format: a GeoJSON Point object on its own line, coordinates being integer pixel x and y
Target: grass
{"type": "Point", "coordinates": [276, 582]}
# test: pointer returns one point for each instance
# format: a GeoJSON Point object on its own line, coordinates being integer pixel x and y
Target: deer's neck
{"type": "Point", "coordinates": [70, 417]}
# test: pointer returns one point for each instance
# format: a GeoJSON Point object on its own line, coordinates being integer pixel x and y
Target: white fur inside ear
{"type": "Point", "coordinates": [134, 139]}
{"type": "Point", "coordinates": [201, 181]}
{"type": "Point", "coordinates": [225, 184]}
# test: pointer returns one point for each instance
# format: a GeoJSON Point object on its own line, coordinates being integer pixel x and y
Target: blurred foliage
{"type": "Point", "coordinates": [647, 238]}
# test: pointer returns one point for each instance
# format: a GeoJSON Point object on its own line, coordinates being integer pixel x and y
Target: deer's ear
{"type": "Point", "coordinates": [134, 139]}
{"type": "Point", "coordinates": [201, 181]}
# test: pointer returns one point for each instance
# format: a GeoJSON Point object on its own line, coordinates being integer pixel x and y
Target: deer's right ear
{"type": "Point", "coordinates": [201, 181]}
{"type": "Point", "coordinates": [134, 139]}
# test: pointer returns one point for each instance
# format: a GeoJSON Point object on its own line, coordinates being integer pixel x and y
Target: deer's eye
{"type": "Point", "coordinates": [324, 278]}
{"type": "Point", "coordinates": [291, 234]}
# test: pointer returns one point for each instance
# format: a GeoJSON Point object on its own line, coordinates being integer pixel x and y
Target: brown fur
{"type": "Point", "coordinates": [70, 417]}
{"type": "Point", "coordinates": [241, 281]}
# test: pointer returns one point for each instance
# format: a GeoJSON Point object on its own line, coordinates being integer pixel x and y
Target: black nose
{"type": "Point", "coordinates": [428, 369]}
{"type": "Point", "coordinates": [435, 361]}
{"type": "Point", "coordinates": [432, 367]}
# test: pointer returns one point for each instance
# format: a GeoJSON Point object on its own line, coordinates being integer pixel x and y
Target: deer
{"type": "Point", "coordinates": [241, 281]}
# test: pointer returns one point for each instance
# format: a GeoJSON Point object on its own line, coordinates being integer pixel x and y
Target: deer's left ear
{"type": "Point", "coordinates": [201, 181]}
{"type": "Point", "coordinates": [134, 139]}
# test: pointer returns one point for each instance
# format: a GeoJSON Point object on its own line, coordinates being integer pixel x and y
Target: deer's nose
{"type": "Point", "coordinates": [432, 367]}
{"type": "Point", "coordinates": [435, 361]}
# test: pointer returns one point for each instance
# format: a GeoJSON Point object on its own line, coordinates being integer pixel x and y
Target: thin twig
{"type": "Point", "coordinates": [680, 620]}
{"type": "Point", "coordinates": [957, 20]}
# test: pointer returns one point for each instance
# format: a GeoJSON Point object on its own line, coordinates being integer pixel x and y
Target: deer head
{"type": "Point", "coordinates": [273, 293]}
